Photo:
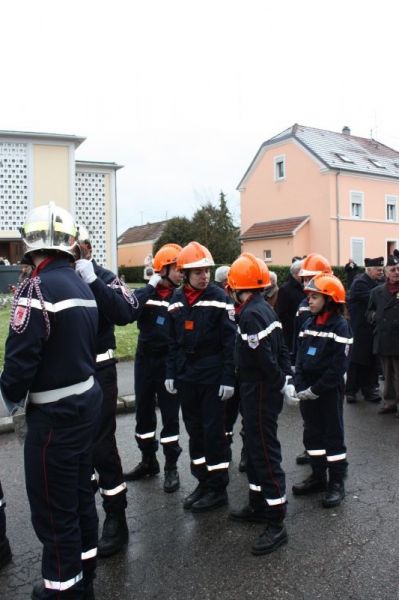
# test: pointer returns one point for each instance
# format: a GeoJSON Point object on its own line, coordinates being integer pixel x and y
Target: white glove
{"type": "Point", "coordinates": [170, 386]}
{"type": "Point", "coordinates": [288, 381]}
{"type": "Point", "coordinates": [154, 280]}
{"type": "Point", "coordinates": [307, 395]}
{"type": "Point", "coordinates": [226, 392]}
{"type": "Point", "coordinates": [86, 270]}
{"type": "Point", "coordinates": [290, 397]}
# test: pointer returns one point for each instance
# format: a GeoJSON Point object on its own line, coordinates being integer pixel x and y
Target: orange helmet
{"type": "Point", "coordinates": [328, 285]}
{"type": "Point", "coordinates": [194, 255]}
{"type": "Point", "coordinates": [248, 273]}
{"type": "Point", "coordinates": [166, 256]}
{"type": "Point", "coordinates": [315, 264]}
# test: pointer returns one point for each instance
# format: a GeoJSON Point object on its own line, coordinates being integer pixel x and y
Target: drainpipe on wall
{"type": "Point", "coordinates": [338, 218]}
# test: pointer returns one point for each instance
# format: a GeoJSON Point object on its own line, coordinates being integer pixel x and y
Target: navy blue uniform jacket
{"type": "Point", "coordinates": [201, 342]}
{"type": "Point", "coordinates": [37, 364]}
{"type": "Point", "coordinates": [261, 351]}
{"type": "Point", "coordinates": [323, 354]}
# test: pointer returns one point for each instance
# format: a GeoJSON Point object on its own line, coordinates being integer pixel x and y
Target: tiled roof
{"type": "Point", "coordinates": [276, 228]}
{"type": "Point", "coordinates": [338, 151]}
{"type": "Point", "coordinates": [142, 233]}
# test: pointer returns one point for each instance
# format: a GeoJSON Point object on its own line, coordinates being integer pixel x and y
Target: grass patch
{"type": "Point", "coordinates": [126, 337]}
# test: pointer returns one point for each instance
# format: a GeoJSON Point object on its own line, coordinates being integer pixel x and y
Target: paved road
{"type": "Point", "coordinates": [350, 553]}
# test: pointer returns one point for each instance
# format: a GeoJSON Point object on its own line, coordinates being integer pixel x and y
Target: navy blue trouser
{"type": "Point", "coordinates": [260, 408]}
{"type": "Point", "coordinates": [203, 415]}
{"type": "Point", "coordinates": [323, 434]}
{"type": "Point", "coordinates": [58, 468]}
{"type": "Point", "coordinates": [106, 460]}
{"type": "Point", "coordinates": [149, 379]}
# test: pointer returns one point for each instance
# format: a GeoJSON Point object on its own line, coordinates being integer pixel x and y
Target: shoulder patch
{"type": "Point", "coordinates": [253, 341]}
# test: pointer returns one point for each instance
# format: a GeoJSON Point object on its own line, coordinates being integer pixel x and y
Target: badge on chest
{"type": "Point", "coordinates": [160, 320]}
{"type": "Point", "coordinates": [311, 351]}
{"type": "Point", "coordinates": [189, 325]}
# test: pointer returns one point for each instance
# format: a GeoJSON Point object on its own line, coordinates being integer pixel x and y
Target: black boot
{"type": "Point", "coordinates": [242, 467]}
{"type": "Point", "coordinates": [5, 553]}
{"type": "Point", "coordinates": [334, 495]}
{"type": "Point", "coordinates": [314, 483]}
{"type": "Point", "coordinates": [148, 467]}
{"type": "Point", "coordinates": [274, 536]}
{"type": "Point", "coordinates": [198, 493]}
{"type": "Point", "coordinates": [302, 459]}
{"type": "Point", "coordinates": [212, 499]}
{"type": "Point", "coordinates": [248, 514]}
{"type": "Point", "coordinates": [115, 534]}
{"type": "Point", "coordinates": [172, 481]}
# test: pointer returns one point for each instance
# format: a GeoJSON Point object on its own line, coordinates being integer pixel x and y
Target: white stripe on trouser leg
{"type": "Point", "coordinates": [168, 440]}
{"type": "Point", "coordinates": [336, 457]}
{"type": "Point", "coordinates": [62, 585]}
{"type": "Point", "coordinates": [255, 488]}
{"type": "Point", "coordinates": [145, 436]}
{"type": "Point", "coordinates": [316, 452]}
{"type": "Point", "coordinates": [114, 491]}
{"type": "Point", "coordinates": [276, 501]}
{"type": "Point", "coordinates": [218, 467]}
{"type": "Point", "coordinates": [2, 503]}
{"type": "Point", "coordinates": [199, 461]}
{"type": "Point", "coordinates": [89, 554]}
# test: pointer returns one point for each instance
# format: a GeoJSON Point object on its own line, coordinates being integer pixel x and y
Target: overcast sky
{"type": "Point", "coordinates": [183, 93]}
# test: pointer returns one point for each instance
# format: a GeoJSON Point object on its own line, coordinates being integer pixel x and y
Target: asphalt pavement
{"type": "Point", "coordinates": [347, 553]}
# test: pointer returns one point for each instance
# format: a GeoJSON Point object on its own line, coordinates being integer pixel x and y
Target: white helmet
{"type": "Point", "coordinates": [49, 227]}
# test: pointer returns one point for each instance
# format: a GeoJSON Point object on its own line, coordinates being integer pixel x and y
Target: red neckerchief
{"type": "Point", "coordinates": [393, 288]}
{"type": "Point", "coordinates": [163, 291]}
{"type": "Point", "coordinates": [191, 294]}
{"type": "Point", "coordinates": [238, 308]}
{"type": "Point", "coordinates": [41, 266]}
{"type": "Point", "coordinates": [323, 318]}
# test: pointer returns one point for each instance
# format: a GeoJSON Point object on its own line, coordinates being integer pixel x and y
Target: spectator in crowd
{"type": "Point", "coordinates": [363, 368]}
{"type": "Point", "coordinates": [221, 276]}
{"type": "Point", "coordinates": [382, 313]}
{"type": "Point", "coordinates": [271, 291]}
{"type": "Point", "coordinates": [26, 269]}
{"type": "Point", "coordinates": [351, 270]}
{"type": "Point", "coordinates": [289, 297]}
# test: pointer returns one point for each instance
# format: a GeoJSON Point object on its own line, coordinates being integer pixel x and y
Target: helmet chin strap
{"type": "Point", "coordinates": [167, 278]}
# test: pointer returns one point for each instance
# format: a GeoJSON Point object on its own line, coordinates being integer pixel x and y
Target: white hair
{"type": "Point", "coordinates": [221, 273]}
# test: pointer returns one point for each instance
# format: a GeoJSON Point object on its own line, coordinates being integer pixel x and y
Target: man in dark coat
{"type": "Point", "coordinates": [383, 313]}
{"type": "Point", "coordinates": [363, 372]}
{"type": "Point", "coordinates": [351, 270]}
{"type": "Point", "coordinates": [289, 297]}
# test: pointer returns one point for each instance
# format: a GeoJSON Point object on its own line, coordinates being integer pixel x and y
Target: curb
{"type": "Point", "coordinates": [124, 404]}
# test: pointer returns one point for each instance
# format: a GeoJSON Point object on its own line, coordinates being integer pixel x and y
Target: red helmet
{"type": "Point", "coordinates": [328, 285]}
{"type": "Point", "coordinates": [166, 256]}
{"type": "Point", "coordinates": [248, 273]}
{"type": "Point", "coordinates": [313, 265]}
{"type": "Point", "coordinates": [193, 256]}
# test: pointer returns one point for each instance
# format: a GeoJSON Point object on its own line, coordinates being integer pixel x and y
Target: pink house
{"type": "Point", "coordinates": [311, 190]}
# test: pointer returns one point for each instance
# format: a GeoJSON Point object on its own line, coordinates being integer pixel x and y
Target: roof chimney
{"type": "Point", "coordinates": [346, 130]}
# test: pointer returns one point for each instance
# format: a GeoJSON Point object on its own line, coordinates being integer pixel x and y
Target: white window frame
{"type": "Point", "coordinates": [267, 258]}
{"type": "Point", "coordinates": [352, 253]}
{"type": "Point", "coordinates": [356, 197]}
{"type": "Point", "coordinates": [277, 161]}
{"type": "Point", "coordinates": [391, 200]}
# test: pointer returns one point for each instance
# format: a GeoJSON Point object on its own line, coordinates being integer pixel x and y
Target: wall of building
{"type": "Point", "coordinates": [51, 175]}
{"type": "Point", "coordinates": [304, 191]}
{"type": "Point", "coordinates": [133, 255]}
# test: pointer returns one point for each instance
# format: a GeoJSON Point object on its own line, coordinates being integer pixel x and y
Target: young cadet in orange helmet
{"type": "Point", "coordinates": [264, 373]}
{"type": "Point", "coordinates": [149, 376]}
{"type": "Point", "coordinates": [312, 265]}
{"type": "Point", "coordinates": [200, 367]}
{"type": "Point", "coordinates": [322, 361]}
